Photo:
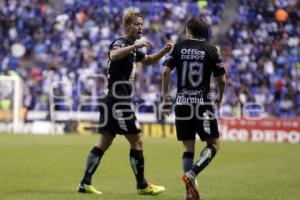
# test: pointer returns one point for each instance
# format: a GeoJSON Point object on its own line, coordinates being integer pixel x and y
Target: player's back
{"type": "Point", "coordinates": [195, 61]}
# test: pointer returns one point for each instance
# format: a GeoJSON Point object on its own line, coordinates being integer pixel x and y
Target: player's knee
{"type": "Point", "coordinates": [217, 146]}
{"type": "Point", "coordinates": [189, 148]}
{"type": "Point", "coordinates": [215, 143]}
{"type": "Point", "coordinates": [104, 142]}
{"type": "Point", "coordinates": [138, 144]}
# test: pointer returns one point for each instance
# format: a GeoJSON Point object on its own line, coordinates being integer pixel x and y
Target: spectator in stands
{"type": "Point", "coordinates": [263, 43]}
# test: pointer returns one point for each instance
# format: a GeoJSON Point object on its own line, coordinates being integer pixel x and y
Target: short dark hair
{"type": "Point", "coordinates": [198, 27]}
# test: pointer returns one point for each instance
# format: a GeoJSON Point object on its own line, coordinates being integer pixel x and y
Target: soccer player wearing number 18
{"type": "Point", "coordinates": [195, 62]}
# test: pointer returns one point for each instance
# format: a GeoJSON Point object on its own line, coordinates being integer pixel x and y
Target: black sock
{"type": "Point", "coordinates": [92, 163]}
{"type": "Point", "coordinates": [137, 164]}
{"type": "Point", "coordinates": [187, 161]}
{"type": "Point", "coordinates": [206, 156]}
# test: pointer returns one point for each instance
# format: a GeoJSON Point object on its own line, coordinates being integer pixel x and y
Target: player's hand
{"type": "Point", "coordinates": [143, 43]}
{"type": "Point", "coordinates": [166, 107]}
{"type": "Point", "coordinates": [168, 47]}
{"type": "Point", "coordinates": [218, 101]}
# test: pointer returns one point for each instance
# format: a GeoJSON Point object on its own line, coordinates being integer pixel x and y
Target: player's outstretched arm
{"type": "Point", "coordinates": [153, 58]}
{"type": "Point", "coordinates": [120, 53]}
{"type": "Point", "coordinates": [221, 87]}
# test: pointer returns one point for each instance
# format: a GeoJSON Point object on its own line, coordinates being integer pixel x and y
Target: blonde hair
{"type": "Point", "coordinates": [130, 15]}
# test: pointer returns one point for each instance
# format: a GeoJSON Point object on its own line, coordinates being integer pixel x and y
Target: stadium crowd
{"type": "Point", "coordinates": [66, 51]}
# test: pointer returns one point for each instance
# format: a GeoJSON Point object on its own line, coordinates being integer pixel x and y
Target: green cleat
{"type": "Point", "coordinates": [151, 189]}
{"type": "Point", "coordinates": [87, 189]}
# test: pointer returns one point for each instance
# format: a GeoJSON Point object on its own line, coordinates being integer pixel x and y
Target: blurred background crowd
{"type": "Point", "coordinates": [60, 49]}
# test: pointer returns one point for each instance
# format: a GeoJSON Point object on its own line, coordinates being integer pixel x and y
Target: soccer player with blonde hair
{"type": "Point", "coordinates": [117, 116]}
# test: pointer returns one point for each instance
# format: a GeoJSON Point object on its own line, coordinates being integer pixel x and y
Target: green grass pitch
{"type": "Point", "coordinates": [50, 167]}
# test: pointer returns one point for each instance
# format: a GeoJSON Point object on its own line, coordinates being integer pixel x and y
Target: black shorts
{"type": "Point", "coordinates": [117, 117]}
{"type": "Point", "coordinates": [191, 119]}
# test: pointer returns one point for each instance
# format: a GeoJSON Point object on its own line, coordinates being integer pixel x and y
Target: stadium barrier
{"type": "Point", "coordinates": [275, 130]}
{"type": "Point", "coordinates": [268, 129]}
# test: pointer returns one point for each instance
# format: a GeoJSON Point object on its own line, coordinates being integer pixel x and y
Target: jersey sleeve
{"type": "Point", "coordinates": [217, 63]}
{"type": "Point", "coordinates": [139, 56]}
{"type": "Point", "coordinates": [170, 59]}
{"type": "Point", "coordinates": [117, 44]}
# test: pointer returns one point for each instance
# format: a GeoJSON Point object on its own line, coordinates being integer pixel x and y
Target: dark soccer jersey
{"type": "Point", "coordinates": [120, 73]}
{"type": "Point", "coordinates": [195, 61]}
